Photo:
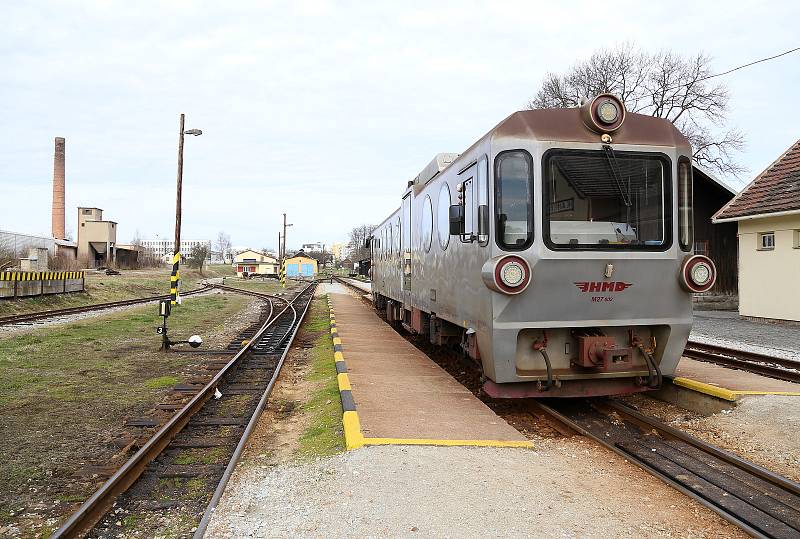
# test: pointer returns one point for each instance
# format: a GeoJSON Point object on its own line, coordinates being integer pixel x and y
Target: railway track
{"type": "Point", "coordinates": [183, 468]}
{"type": "Point", "coordinates": [774, 367]}
{"type": "Point", "coordinates": [57, 313]}
{"type": "Point", "coordinates": [762, 503]}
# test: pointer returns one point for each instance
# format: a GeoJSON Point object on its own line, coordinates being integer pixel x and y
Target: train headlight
{"type": "Point", "coordinates": [698, 273]}
{"type": "Point", "coordinates": [508, 274]}
{"type": "Point", "coordinates": [603, 114]}
{"type": "Point", "coordinates": [607, 112]}
{"type": "Point", "coordinates": [701, 273]}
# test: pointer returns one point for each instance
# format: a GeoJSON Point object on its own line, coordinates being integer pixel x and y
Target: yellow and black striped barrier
{"type": "Point", "coordinates": [283, 274]}
{"type": "Point", "coordinates": [40, 275]}
{"type": "Point", "coordinates": [174, 280]}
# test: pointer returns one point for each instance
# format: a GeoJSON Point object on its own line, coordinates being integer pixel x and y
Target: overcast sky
{"type": "Point", "coordinates": [318, 109]}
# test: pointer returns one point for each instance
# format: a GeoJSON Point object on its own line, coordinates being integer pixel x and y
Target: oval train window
{"type": "Point", "coordinates": [443, 216]}
{"type": "Point", "coordinates": [427, 223]}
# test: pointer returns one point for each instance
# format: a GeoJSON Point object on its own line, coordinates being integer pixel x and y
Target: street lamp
{"type": "Point", "coordinates": [174, 281]}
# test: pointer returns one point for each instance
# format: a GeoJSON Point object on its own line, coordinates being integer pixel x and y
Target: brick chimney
{"type": "Point", "coordinates": [59, 224]}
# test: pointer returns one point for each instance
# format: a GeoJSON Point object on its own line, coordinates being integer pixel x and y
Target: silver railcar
{"type": "Point", "coordinates": [556, 250]}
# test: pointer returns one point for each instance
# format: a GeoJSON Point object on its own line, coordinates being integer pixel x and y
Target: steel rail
{"type": "Point", "coordinates": [93, 509]}
{"type": "Point", "coordinates": [251, 425]}
{"type": "Point", "coordinates": [774, 367]}
{"type": "Point", "coordinates": [55, 313]}
{"type": "Point", "coordinates": [670, 432]}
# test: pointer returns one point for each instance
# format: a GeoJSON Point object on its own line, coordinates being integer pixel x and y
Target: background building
{"type": "Point", "coordinates": [159, 248]}
{"type": "Point", "coordinates": [252, 262]}
{"type": "Point", "coordinates": [337, 250]}
{"type": "Point", "coordinates": [767, 213]}
{"type": "Point", "coordinates": [301, 265]}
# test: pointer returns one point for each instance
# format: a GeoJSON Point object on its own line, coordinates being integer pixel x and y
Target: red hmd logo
{"type": "Point", "coordinates": [602, 286]}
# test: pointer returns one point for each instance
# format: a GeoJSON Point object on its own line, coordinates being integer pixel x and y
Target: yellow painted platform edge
{"type": "Point", "coordinates": [351, 424]}
{"type": "Point", "coordinates": [425, 441]}
{"type": "Point", "coordinates": [724, 393]}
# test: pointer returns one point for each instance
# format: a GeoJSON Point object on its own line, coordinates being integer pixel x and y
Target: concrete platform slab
{"type": "Point", "coordinates": [398, 395]}
{"type": "Point", "coordinates": [728, 384]}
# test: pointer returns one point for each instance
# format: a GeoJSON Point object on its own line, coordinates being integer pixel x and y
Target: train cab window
{"type": "Point", "coordinates": [514, 199]}
{"type": "Point", "coordinates": [443, 216]}
{"type": "Point", "coordinates": [606, 199]}
{"type": "Point", "coordinates": [685, 219]}
{"type": "Point", "coordinates": [427, 224]}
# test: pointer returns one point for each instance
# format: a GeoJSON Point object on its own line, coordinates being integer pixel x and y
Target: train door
{"type": "Point", "coordinates": [405, 248]}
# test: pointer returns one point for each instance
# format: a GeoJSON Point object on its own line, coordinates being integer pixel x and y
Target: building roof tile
{"type": "Point", "coordinates": [776, 189]}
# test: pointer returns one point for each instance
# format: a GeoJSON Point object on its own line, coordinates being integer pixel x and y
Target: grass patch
{"type": "Point", "coordinates": [101, 288]}
{"type": "Point", "coordinates": [161, 382]}
{"type": "Point", "coordinates": [65, 390]}
{"type": "Point", "coordinates": [323, 436]}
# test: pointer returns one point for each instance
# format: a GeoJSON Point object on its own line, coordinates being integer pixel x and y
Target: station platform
{"type": "Point", "coordinates": [393, 394]}
{"type": "Point", "coordinates": [728, 384]}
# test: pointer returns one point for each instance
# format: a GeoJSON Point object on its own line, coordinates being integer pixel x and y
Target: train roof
{"type": "Point", "coordinates": [567, 125]}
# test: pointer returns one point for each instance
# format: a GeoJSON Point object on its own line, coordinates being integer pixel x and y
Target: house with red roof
{"type": "Point", "coordinates": [767, 213]}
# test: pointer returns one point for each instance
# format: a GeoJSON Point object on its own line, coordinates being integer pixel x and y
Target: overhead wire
{"type": "Point", "coordinates": [737, 68]}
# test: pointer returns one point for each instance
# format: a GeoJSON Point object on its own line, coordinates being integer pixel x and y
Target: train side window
{"type": "Point", "coordinates": [427, 223]}
{"type": "Point", "coordinates": [483, 200]}
{"type": "Point", "coordinates": [443, 216]}
{"type": "Point", "coordinates": [514, 199]}
{"type": "Point", "coordinates": [685, 217]}
{"type": "Point", "coordinates": [397, 237]}
{"type": "Point", "coordinates": [469, 207]}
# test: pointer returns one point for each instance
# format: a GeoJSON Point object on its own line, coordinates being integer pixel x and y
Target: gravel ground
{"type": "Point", "coordinates": [727, 329]}
{"type": "Point", "coordinates": [565, 488]}
{"type": "Point", "coordinates": [762, 429]}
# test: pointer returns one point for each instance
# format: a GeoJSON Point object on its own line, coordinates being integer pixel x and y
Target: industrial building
{"type": "Point", "coordinates": [97, 241]}
{"type": "Point", "coordinates": [767, 214]}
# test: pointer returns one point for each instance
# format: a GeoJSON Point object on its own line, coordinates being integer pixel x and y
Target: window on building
{"type": "Point", "coordinates": [766, 241]}
{"type": "Point", "coordinates": [796, 241]}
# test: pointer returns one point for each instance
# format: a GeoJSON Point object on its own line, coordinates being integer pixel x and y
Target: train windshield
{"type": "Point", "coordinates": [606, 200]}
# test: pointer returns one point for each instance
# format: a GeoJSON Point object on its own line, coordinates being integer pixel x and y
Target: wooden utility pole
{"type": "Point", "coordinates": [279, 249]}
{"type": "Point", "coordinates": [285, 224]}
{"type": "Point", "coordinates": [174, 283]}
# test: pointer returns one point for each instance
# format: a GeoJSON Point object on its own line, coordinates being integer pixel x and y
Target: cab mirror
{"type": "Point", "coordinates": [456, 220]}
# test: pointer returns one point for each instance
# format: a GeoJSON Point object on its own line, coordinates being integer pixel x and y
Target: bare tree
{"type": "Point", "coordinates": [223, 244]}
{"type": "Point", "coordinates": [358, 239]}
{"type": "Point", "coordinates": [662, 84]}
